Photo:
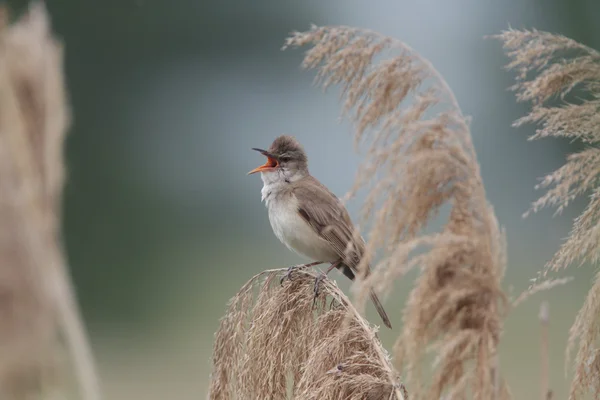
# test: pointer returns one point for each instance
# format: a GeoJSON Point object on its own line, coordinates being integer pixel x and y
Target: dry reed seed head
{"type": "Point", "coordinates": [585, 331]}
{"type": "Point", "coordinates": [549, 66]}
{"type": "Point", "coordinates": [275, 343]}
{"type": "Point", "coordinates": [31, 132]}
{"type": "Point", "coordinates": [419, 148]}
{"type": "Point", "coordinates": [558, 65]}
{"type": "Point", "coordinates": [574, 120]}
{"type": "Point", "coordinates": [36, 70]}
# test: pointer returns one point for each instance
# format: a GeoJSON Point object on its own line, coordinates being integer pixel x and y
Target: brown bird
{"type": "Point", "coordinates": [305, 216]}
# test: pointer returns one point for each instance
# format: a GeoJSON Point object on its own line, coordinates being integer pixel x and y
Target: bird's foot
{"type": "Point", "coordinates": [318, 281]}
{"type": "Point", "coordinates": [288, 274]}
{"type": "Point", "coordinates": [321, 277]}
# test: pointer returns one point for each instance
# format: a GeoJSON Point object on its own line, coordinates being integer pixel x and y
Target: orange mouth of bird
{"type": "Point", "coordinates": [270, 165]}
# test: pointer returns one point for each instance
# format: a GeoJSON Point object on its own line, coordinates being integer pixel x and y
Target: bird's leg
{"type": "Point", "coordinates": [319, 278]}
{"type": "Point", "coordinates": [288, 274]}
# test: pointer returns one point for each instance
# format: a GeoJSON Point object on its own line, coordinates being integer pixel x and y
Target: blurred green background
{"type": "Point", "coordinates": [162, 225]}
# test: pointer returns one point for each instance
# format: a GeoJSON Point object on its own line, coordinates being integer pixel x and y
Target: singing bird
{"type": "Point", "coordinates": [306, 216]}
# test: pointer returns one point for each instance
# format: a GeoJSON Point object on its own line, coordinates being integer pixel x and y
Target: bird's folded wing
{"type": "Point", "coordinates": [324, 212]}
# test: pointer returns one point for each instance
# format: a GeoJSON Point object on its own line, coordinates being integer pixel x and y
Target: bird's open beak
{"type": "Point", "coordinates": [270, 165]}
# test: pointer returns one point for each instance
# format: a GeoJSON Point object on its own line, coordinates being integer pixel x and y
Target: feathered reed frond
{"type": "Point", "coordinates": [36, 300]}
{"type": "Point", "coordinates": [552, 66]}
{"type": "Point", "coordinates": [275, 343]}
{"type": "Point", "coordinates": [421, 157]}
{"type": "Point", "coordinates": [585, 330]}
{"type": "Point", "coordinates": [536, 287]}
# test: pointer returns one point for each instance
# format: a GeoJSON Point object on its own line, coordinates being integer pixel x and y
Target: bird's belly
{"type": "Point", "coordinates": [298, 236]}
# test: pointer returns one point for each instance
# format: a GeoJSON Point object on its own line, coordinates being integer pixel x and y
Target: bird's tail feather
{"type": "Point", "coordinates": [350, 274]}
{"type": "Point", "coordinates": [380, 310]}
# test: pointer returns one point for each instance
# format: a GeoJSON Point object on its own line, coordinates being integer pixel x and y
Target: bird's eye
{"type": "Point", "coordinates": [285, 158]}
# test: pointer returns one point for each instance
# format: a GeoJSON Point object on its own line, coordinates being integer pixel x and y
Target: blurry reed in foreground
{"type": "Point", "coordinates": [37, 305]}
{"type": "Point", "coordinates": [552, 66]}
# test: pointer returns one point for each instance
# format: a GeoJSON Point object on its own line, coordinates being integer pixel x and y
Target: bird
{"type": "Point", "coordinates": [306, 216]}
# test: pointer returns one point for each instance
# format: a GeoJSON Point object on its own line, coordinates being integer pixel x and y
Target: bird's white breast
{"type": "Point", "coordinates": [291, 229]}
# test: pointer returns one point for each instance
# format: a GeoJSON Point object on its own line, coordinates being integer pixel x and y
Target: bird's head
{"type": "Point", "coordinates": [285, 157]}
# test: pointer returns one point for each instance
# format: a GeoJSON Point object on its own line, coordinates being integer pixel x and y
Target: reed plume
{"type": "Point", "coordinates": [551, 67]}
{"type": "Point", "coordinates": [276, 343]}
{"type": "Point", "coordinates": [38, 310]}
{"type": "Point", "coordinates": [421, 152]}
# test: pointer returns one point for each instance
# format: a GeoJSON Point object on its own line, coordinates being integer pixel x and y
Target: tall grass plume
{"type": "Point", "coordinates": [561, 79]}
{"type": "Point", "coordinates": [420, 150]}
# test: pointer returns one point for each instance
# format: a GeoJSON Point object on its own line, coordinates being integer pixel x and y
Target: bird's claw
{"type": "Point", "coordinates": [318, 280]}
{"type": "Point", "coordinates": [288, 274]}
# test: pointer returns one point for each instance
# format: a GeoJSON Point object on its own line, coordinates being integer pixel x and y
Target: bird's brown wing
{"type": "Point", "coordinates": [325, 213]}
